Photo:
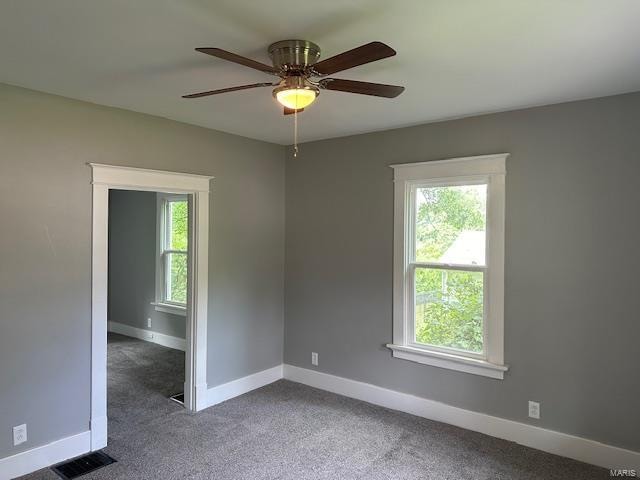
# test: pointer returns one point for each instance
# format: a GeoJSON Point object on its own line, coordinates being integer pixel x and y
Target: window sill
{"type": "Point", "coordinates": [168, 308]}
{"type": "Point", "coordinates": [450, 361]}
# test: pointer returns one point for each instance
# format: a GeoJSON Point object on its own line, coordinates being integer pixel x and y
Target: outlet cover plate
{"type": "Point", "coordinates": [534, 409]}
{"type": "Point", "coordinates": [19, 434]}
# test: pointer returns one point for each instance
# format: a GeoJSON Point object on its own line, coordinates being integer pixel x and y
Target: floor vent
{"type": "Point", "coordinates": [83, 465]}
{"type": "Point", "coordinates": [178, 398]}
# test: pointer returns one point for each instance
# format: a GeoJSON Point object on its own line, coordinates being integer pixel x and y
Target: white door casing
{"type": "Point", "coordinates": [104, 178]}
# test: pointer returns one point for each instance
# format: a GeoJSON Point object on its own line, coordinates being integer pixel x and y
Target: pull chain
{"type": "Point", "coordinates": [295, 133]}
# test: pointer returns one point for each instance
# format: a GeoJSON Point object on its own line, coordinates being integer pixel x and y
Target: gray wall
{"type": "Point", "coordinates": [572, 234]}
{"type": "Point", "coordinates": [132, 264]}
{"type": "Point", "coordinates": [45, 279]}
{"type": "Point", "coordinates": [572, 230]}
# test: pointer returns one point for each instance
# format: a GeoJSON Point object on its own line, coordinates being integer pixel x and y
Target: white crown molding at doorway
{"type": "Point", "coordinates": [145, 179]}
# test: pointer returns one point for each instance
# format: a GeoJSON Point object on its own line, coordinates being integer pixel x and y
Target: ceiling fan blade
{"type": "Point", "coordinates": [290, 111]}
{"type": "Point", "coordinates": [363, 88]}
{"type": "Point", "coordinates": [232, 57]}
{"type": "Point", "coordinates": [352, 58]}
{"type": "Point", "coordinates": [230, 89]}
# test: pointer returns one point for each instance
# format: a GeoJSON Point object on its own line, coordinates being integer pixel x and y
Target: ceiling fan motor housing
{"type": "Point", "coordinates": [294, 55]}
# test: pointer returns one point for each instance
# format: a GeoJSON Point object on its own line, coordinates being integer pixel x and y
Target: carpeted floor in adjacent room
{"type": "Point", "coordinates": [289, 431]}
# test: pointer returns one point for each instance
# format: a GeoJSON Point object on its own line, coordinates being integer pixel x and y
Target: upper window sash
{"type": "Point", "coordinates": [167, 223]}
{"type": "Point", "coordinates": [411, 212]}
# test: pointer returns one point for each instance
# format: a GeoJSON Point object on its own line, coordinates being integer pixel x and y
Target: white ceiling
{"type": "Point", "coordinates": [456, 58]}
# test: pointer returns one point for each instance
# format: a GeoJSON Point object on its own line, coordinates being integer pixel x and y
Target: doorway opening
{"type": "Point", "coordinates": [180, 286]}
{"type": "Point", "coordinates": [147, 305]}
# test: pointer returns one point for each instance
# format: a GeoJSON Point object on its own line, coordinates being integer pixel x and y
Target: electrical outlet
{"type": "Point", "coordinates": [314, 358]}
{"type": "Point", "coordinates": [534, 409]}
{"type": "Point", "coordinates": [149, 322]}
{"type": "Point", "coordinates": [20, 434]}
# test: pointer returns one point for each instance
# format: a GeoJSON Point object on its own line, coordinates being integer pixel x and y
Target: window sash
{"type": "Point", "coordinates": [165, 251]}
{"type": "Point", "coordinates": [168, 224]}
{"type": "Point", "coordinates": [412, 265]}
{"type": "Point", "coordinates": [412, 202]}
{"type": "Point", "coordinates": [411, 313]}
{"type": "Point", "coordinates": [166, 259]}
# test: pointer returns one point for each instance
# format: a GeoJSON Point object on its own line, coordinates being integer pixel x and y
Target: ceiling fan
{"type": "Point", "coordinates": [302, 76]}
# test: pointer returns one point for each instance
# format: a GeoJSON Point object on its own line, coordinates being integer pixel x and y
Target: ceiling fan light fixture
{"type": "Point", "coordinates": [296, 98]}
{"type": "Point", "coordinates": [296, 93]}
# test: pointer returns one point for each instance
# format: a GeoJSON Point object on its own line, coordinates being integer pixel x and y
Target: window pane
{"type": "Point", "coordinates": [450, 224]}
{"type": "Point", "coordinates": [449, 308]}
{"type": "Point", "coordinates": [177, 277]}
{"type": "Point", "coordinates": [178, 225]}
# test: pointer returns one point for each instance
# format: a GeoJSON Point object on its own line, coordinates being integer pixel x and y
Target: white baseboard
{"type": "Point", "coordinates": [242, 385]}
{"type": "Point", "coordinates": [98, 433]}
{"type": "Point", "coordinates": [562, 444]}
{"type": "Point", "coordinates": [148, 335]}
{"type": "Point", "coordinates": [44, 456]}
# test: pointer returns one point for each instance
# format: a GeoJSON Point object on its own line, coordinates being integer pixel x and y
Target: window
{"type": "Point", "coordinates": [171, 269]}
{"type": "Point", "coordinates": [449, 264]}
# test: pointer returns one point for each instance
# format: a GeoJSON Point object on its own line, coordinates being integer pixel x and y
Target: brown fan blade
{"type": "Point", "coordinates": [363, 88]}
{"type": "Point", "coordinates": [352, 58]}
{"type": "Point", "coordinates": [232, 57]}
{"type": "Point", "coordinates": [230, 89]}
{"type": "Point", "coordinates": [291, 111]}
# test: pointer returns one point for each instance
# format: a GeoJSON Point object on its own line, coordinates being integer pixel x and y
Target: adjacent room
{"type": "Point", "coordinates": [147, 303]}
{"type": "Point", "coordinates": [321, 240]}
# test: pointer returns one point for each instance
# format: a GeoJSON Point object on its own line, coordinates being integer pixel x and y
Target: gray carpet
{"type": "Point", "coordinates": [289, 431]}
{"type": "Point", "coordinates": [140, 378]}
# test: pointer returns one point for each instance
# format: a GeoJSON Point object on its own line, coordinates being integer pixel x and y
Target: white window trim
{"type": "Point", "coordinates": [486, 168]}
{"type": "Point", "coordinates": [161, 304]}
